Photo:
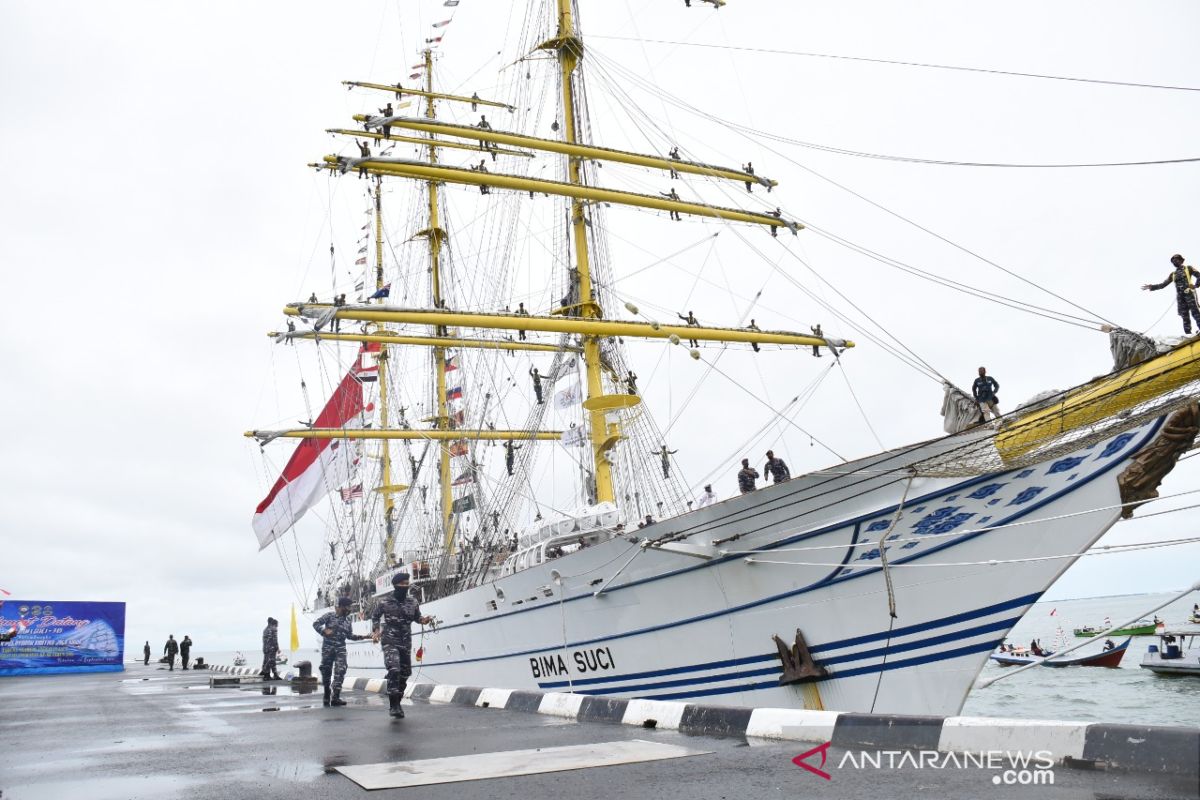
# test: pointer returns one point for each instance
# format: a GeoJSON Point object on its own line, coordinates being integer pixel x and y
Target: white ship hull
{"type": "Point", "coordinates": [677, 627]}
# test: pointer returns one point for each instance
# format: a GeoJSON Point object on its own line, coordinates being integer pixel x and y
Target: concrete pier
{"type": "Point", "coordinates": [150, 733]}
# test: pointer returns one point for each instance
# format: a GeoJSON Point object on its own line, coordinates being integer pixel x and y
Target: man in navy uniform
{"type": "Point", "coordinates": [393, 618]}
{"type": "Point", "coordinates": [270, 641]}
{"type": "Point", "coordinates": [1185, 279]}
{"type": "Point", "coordinates": [335, 627]}
{"type": "Point", "coordinates": [984, 391]}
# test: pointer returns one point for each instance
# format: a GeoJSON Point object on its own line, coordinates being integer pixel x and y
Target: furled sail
{"type": "Point", "coordinates": [318, 466]}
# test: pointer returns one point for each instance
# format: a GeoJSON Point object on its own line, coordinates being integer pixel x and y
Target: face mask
{"type": "Point", "coordinates": [400, 592]}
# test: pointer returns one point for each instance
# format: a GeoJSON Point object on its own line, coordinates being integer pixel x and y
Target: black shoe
{"type": "Point", "coordinates": [337, 701]}
{"type": "Point", "coordinates": [398, 712]}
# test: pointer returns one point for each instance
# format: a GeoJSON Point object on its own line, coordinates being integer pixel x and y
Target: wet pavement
{"type": "Point", "coordinates": [149, 733]}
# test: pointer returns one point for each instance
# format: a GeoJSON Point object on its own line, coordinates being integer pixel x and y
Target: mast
{"type": "Point", "coordinates": [385, 468]}
{"type": "Point", "coordinates": [570, 50]}
{"type": "Point", "coordinates": [436, 234]}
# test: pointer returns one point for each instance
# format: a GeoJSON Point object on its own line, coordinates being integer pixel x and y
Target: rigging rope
{"type": "Point", "coordinates": [982, 70]}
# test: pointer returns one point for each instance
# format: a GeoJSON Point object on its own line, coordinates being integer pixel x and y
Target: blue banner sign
{"type": "Point", "coordinates": [44, 637]}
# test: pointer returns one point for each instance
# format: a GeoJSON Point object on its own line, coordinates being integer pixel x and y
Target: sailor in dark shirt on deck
{"type": "Point", "coordinates": [746, 476]}
{"type": "Point", "coordinates": [776, 468]}
{"type": "Point", "coordinates": [984, 391]}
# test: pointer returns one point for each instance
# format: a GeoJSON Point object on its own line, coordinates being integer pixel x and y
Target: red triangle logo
{"type": "Point", "coordinates": [823, 750]}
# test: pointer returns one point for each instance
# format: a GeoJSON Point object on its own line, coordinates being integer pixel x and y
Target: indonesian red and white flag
{"type": "Point", "coordinates": [318, 466]}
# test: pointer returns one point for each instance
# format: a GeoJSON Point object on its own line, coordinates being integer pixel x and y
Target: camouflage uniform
{"type": "Point", "coordinates": [333, 649]}
{"type": "Point", "coordinates": [746, 478]}
{"type": "Point", "coordinates": [778, 470]}
{"type": "Point", "coordinates": [396, 638]}
{"type": "Point", "coordinates": [270, 649]}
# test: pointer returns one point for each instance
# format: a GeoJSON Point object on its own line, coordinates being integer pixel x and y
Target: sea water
{"type": "Point", "coordinates": [1128, 694]}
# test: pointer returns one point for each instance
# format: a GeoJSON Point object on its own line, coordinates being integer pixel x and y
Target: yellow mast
{"type": "Point", "coordinates": [570, 49]}
{"type": "Point", "coordinates": [387, 486]}
{"type": "Point", "coordinates": [436, 234]}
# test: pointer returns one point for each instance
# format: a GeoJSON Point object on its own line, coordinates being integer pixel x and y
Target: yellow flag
{"type": "Point", "coordinates": [295, 631]}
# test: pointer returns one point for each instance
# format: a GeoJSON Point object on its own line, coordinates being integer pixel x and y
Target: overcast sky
{"type": "Point", "coordinates": [157, 213]}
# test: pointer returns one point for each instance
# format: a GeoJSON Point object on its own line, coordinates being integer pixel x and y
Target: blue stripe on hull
{"type": "Point", "coordinates": [954, 636]}
{"type": "Point", "coordinates": [902, 664]}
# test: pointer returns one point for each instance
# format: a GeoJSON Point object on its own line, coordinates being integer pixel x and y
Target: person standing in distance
{"type": "Point", "coordinates": [170, 649]}
{"type": "Point", "coordinates": [146, 653]}
{"type": "Point", "coordinates": [392, 626]}
{"type": "Point", "coordinates": [270, 644]}
{"type": "Point", "coordinates": [335, 628]}
{"type": "Point", "coordinates": [185, 650]}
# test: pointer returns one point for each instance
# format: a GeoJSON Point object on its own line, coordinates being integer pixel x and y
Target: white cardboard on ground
{"type": "Point", "coordinates": [483, 766]}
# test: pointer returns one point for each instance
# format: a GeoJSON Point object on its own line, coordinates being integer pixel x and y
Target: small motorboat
{"type": "Point", "coordinates": [1143, 627]}
{"type": "Point", "coordinates": [1177, 653]}
{"type": "Point", "coordinates": [1019, 656]}
{"type": "Point", "coordinates": [281, 659]}
{"type": "Point", "coordinates": [239, 660]}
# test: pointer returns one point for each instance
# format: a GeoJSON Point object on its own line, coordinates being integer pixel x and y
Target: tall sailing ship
{"type": "Point", "coordinates": [881, 584]}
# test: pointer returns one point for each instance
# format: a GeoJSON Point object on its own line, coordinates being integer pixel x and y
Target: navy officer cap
{"type": "Point", "coordinates": [344, 601]}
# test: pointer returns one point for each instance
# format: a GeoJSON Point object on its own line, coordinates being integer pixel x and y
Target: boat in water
{"type": "Point", "coordinates": [1143, 627]}
{"type": "Point", "coordinates": [1110, 656]}
{"type": "Point", "coordinates": [879, 584]}
{"type": "Point", "coordinates": [1177, 653]}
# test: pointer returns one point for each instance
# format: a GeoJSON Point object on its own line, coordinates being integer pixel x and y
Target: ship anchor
{"type": "Point", "coordinates": [798, 664]}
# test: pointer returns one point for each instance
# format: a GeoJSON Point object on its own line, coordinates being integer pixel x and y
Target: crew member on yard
{"type": "Point", "coordinates": [692, 322]}
{"type": "Point", "coordinates": [754, 327]}
{"type": "Point", "coordinates": [364, 151]}
{"type": "Point", "coordinates": [984, 391]}
{"type": "Point", "coordinates": [746, 476]}
{"type": "Point", "coordinates": [1185, 278]}
{"type": "Point", "coordinates": [392, 626]}
{"type": "Point", "coordinates": [335, 628]}
{"type": "Point", "coordinates": [387, 113]}
{"type": "Point", "coordinates": [522, 313]}
{"type": "Point", "coordinates": [672, 195]}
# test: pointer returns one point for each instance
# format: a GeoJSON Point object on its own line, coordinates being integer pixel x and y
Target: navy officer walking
{"type": "Point", "coordinates": [335, 627]}
{"type": "Point", "coordinates": [393, 620]}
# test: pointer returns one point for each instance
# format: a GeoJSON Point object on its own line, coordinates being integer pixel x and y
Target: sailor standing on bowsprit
{"type": "Point", "coordinates": [393, 619]}
{"type": "Point", "coordinates": [335, 628]}
{"type": "Point", "coordinates": [1185, 279]}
